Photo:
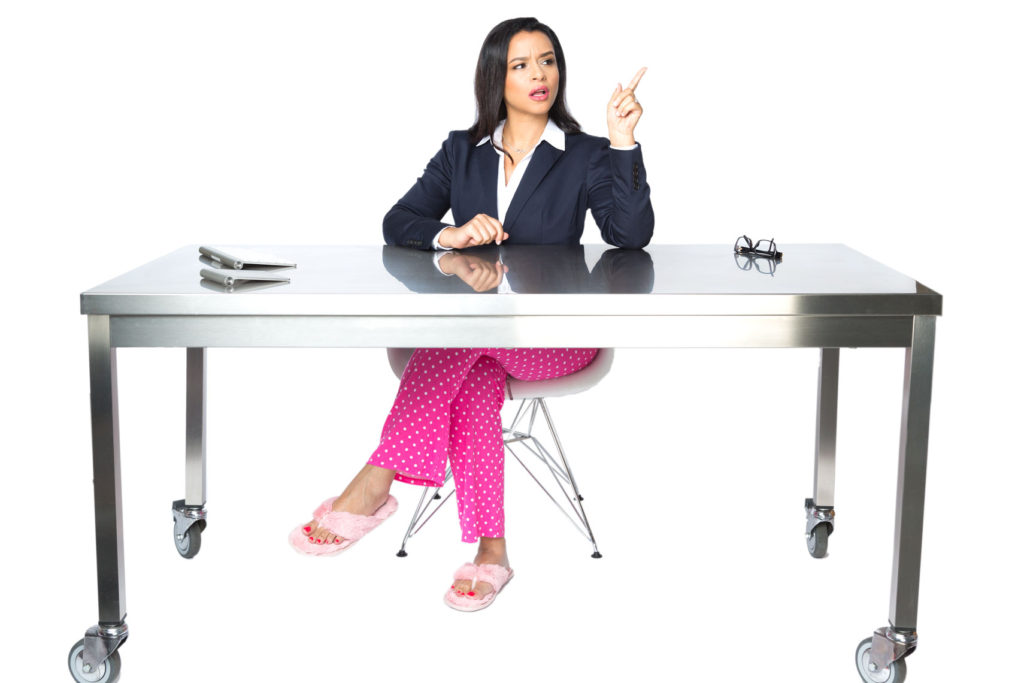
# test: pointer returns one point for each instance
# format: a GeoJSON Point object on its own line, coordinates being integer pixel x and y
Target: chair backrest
{"type": "Point", "coordinates": [543, 388]}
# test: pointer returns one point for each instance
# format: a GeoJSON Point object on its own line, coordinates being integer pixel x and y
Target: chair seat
{"type": "Point", "coordinates": [543, 388]}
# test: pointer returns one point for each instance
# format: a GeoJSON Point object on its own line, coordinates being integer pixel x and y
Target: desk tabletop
{"type": "Point", "coordinates": [812, 279]}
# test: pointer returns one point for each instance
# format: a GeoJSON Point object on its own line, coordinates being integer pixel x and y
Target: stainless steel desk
{"type": "Point", "coordinates": [820, 296]}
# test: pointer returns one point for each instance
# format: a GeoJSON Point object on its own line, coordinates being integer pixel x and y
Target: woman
{"type": "Point", "coordinates": [524, 173]}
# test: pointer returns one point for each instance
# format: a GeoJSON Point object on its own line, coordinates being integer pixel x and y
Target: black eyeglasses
{"type": "Point", "coordinates": [765, 248]}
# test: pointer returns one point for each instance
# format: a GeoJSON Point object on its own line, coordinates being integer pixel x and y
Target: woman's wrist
{"type": "Point", "coordinates": [622, 140]}
{"type": "Point", "coordinates": [441, 237]}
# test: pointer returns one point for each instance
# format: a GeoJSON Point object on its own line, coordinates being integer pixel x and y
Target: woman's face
{"type": "Point", "coordinates": [531, 81]}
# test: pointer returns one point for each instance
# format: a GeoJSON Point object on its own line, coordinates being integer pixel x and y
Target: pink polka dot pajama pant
{"type": "Point", "coordinates": [448, 410]}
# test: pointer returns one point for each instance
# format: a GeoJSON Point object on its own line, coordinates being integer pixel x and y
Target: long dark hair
{"type": "Point", "coordinates": [491, 70]}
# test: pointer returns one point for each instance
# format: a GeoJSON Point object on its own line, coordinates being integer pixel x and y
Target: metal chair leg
{"type": "Point", "coordinates": [572, 479]}
{"type": "Point", "coordinates": [421, 509]}
{"type": "Point", "coordinates": [561, 473]}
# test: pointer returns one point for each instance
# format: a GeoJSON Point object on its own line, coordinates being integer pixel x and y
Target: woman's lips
{"type": "Point", "coordinates": [539, 95]}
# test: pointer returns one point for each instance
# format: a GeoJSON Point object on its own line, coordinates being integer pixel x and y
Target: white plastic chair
{"type": "Point", "coordinates": [519, 434]}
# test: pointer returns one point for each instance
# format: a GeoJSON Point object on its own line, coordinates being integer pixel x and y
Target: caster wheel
{"type": "Point", "coordinates": [107, 672]}
{"type": "Point", "coordinates": [188, 545]}
{"type": "Point", "coordinates": [817, 541]}
{"type": "Point", "coordinates": [894, 673]}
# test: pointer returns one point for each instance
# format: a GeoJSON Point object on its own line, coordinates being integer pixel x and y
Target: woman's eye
{"type": "Point", "coordinates": [522, 65]}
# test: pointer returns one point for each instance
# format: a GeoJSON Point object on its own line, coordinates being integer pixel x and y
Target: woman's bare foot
{"type": "Point", "coordinates": [490, 551]}
{"type": "Point", "coordinates": [367, 491]}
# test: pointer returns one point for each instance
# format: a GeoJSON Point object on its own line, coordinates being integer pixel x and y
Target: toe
{"type": "Point", "coordinates": [480, 591]}
{"type": "Point", "coordinates": [309, 527]}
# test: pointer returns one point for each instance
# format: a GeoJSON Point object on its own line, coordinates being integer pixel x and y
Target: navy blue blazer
{"type": "Point", "coordinates": [550, 203]}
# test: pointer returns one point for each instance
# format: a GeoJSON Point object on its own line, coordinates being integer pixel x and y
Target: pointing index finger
{"type": "Point", "coordinates": [636, 79]}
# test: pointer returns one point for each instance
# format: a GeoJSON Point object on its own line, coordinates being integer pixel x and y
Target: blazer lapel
{"type": "Point", "coordinates": [485, 177]}
{"type": "Point", "coordinates": [544, 157]}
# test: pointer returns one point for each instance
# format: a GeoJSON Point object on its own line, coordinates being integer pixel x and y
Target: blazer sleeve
{"type": "Point", "coordinates": [619, 197]}
{"type": "Point", "coordinates": [416, 218]}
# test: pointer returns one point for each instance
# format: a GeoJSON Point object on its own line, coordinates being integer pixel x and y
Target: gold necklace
{"type": "Point", "coordinates": [516, 149]}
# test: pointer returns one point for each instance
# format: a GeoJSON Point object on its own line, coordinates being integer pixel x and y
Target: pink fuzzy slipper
{"type": "Point", "coordinates": [350, 526]}
{"type": "Point", "coordinates": [494, 574]}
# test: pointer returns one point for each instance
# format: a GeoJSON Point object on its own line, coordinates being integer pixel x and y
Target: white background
{"type": "Point", "coordinates": [130, 129]}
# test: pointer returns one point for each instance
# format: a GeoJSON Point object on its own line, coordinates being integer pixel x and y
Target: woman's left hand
{"type": "Point", "coordinates": [624, 112]}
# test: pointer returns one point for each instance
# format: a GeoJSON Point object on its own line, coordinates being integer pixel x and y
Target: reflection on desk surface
{"type": "Point", "coordinates": [529, 269]}
{"type": "Point", "coordinates": [332, 280]}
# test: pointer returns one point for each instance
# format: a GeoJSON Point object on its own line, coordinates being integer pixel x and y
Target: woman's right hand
{"type": "Point", "coordinates": [481, 229]}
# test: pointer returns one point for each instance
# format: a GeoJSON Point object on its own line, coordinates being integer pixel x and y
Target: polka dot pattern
{"type": "Point", "coordinates": [448, 410]}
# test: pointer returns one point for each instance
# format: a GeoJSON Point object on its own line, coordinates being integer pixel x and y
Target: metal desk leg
{"type": "Point", "coordinates": [95, 657]}
{"type": "Point", "coordinates": [880, 658]}
{"type": "Point", "coordinates": [190, 512]}
{"type": "Point", "coordinates": [820, 509]}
